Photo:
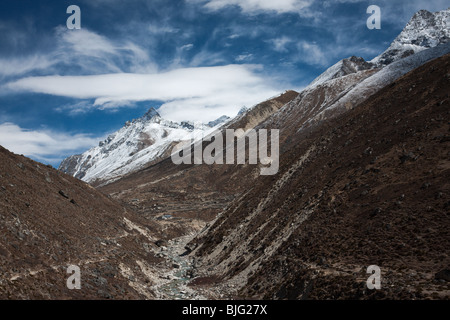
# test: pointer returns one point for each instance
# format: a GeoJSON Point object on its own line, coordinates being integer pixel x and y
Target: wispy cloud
{"type": "Point", "coordinates": [257, 6]}
{"type": "Point", "coordinates": [279, 44]}
{"type": "Point", "coordinates": [187, 47]}
{"type": "Point", "coordinates": [162, 29]}
{"type": "Point", "coordinates": [187, 88]}
{"type": "Point", "coordinates": [83, 51]}
{"type": "Point", "coordinates": [312, 53]}
{"type": "Point", "coordinates": [208, 107]}
{"type": "Point", "coordinates": [81, 107]}
{"type": "Point", "coordinates": [243, 57]}
{"type": "Point", "coordinates": [43, 145]}
{"type": "Point", "coordinates": [21, 65]}
{"type": "Point", "coordinates": [95, 53]}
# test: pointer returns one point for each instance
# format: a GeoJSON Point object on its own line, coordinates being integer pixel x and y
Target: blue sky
{"type": "Point", "coordinates": [62, 91]}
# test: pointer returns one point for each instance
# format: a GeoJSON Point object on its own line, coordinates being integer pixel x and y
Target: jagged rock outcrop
{"type": "Point", "coordinates": [425, 30]}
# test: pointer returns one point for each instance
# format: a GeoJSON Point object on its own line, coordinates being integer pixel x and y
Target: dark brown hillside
{"type": "Point", "coordinates": [370, 187]}
{"type": "Point", "coordinates": [49, 220]}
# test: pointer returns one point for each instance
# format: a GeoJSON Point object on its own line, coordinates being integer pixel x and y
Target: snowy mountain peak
{"type": "Point", "coordinates": [424, 30]}
{"type": "Point", "coordinates": [150, 114]}
{"type": "Point", "coordinates": [243, 110]}
{"type": "Point", "coordinates": [138, 143]}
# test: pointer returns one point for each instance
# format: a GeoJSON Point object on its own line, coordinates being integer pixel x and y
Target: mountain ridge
{"type": "Point", "coordinates": [424, 30]}
{"type": "Point", "coordinates": [356, 191]}
{"type": "Point", "coordinates": [99, 166]}
{"type": "Point", "coordinates": [137, 143]}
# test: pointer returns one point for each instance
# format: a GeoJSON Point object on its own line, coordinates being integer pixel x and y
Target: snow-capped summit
{"type": "Point", "coordinates": [151, 114]}
{"type": "Point", "coordinates": [350, 81]}
{"type": "Point", "coordinates": [425, 30]}
{"type": "Point", "coordinates": [138, 143]}
{"type": "Point", "coordinates": [243, 110]}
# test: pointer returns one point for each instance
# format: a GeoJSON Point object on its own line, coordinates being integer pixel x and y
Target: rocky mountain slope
{"type": "Point", "coordinates": [140, 142]}
{"type": "Point", "coordinates": [369, 187]}
{"type": "Point", "coordinates": [49, 220]}
{"type": "Point", "coordinates": [250, 118]}
{"type": "Point", "coordinates": [343, 68]}
{"type": "Point", "coordinates": [262, 215]}
{"type": "Point", "coordinates": [325, 99]}
{"type": "Point", "coordinates": [363, 180]}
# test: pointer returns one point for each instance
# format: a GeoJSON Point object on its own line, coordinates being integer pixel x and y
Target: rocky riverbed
{"type": "Point", "coordinates": [179, 270]}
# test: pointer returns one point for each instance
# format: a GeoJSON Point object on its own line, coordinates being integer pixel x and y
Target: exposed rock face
{"type": "Point", "coordinates": [221, 120]}
{"type": "Point", "coordinates": [344, 200]}
{"type": "Point", "coordinates": [424, 30]}
{"type": "Point", "coordinates": [70, 164]}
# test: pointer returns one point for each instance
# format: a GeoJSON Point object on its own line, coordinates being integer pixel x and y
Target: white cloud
{"type": "Point", "coordinates": [95, 53]}
{"type": "Point", "coordinates": [243, 57]}
{"type": "Point", "coordinates": [311, 53]}
{"type": "Point", "coordinates": [44, 145]}
{"type": "Point", "coordinates": [159, 29]}
{"type": "Point", "coordinates": [279, 44]}
{"type": "Point", "coordinates": [89, 52]}
{"type": "Point", "coordinates": [211, 107]}
{"type": "Point", "coordinates": [22, 65]}
{"type": "Point", "coordinates": [255, 6]}
{"type": "Point", "coordinates": [207, 58]}
{"type": "Point", "coordinates": [85, 42]}
{"type": "Point", "coordinates": [190, 89]}
{"type": "Point", "coordinates": [81, 107]}
{"type": "Point", "coordinates": [233, 36]}
{"type": "Point", "coordinates": [187, 47]}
